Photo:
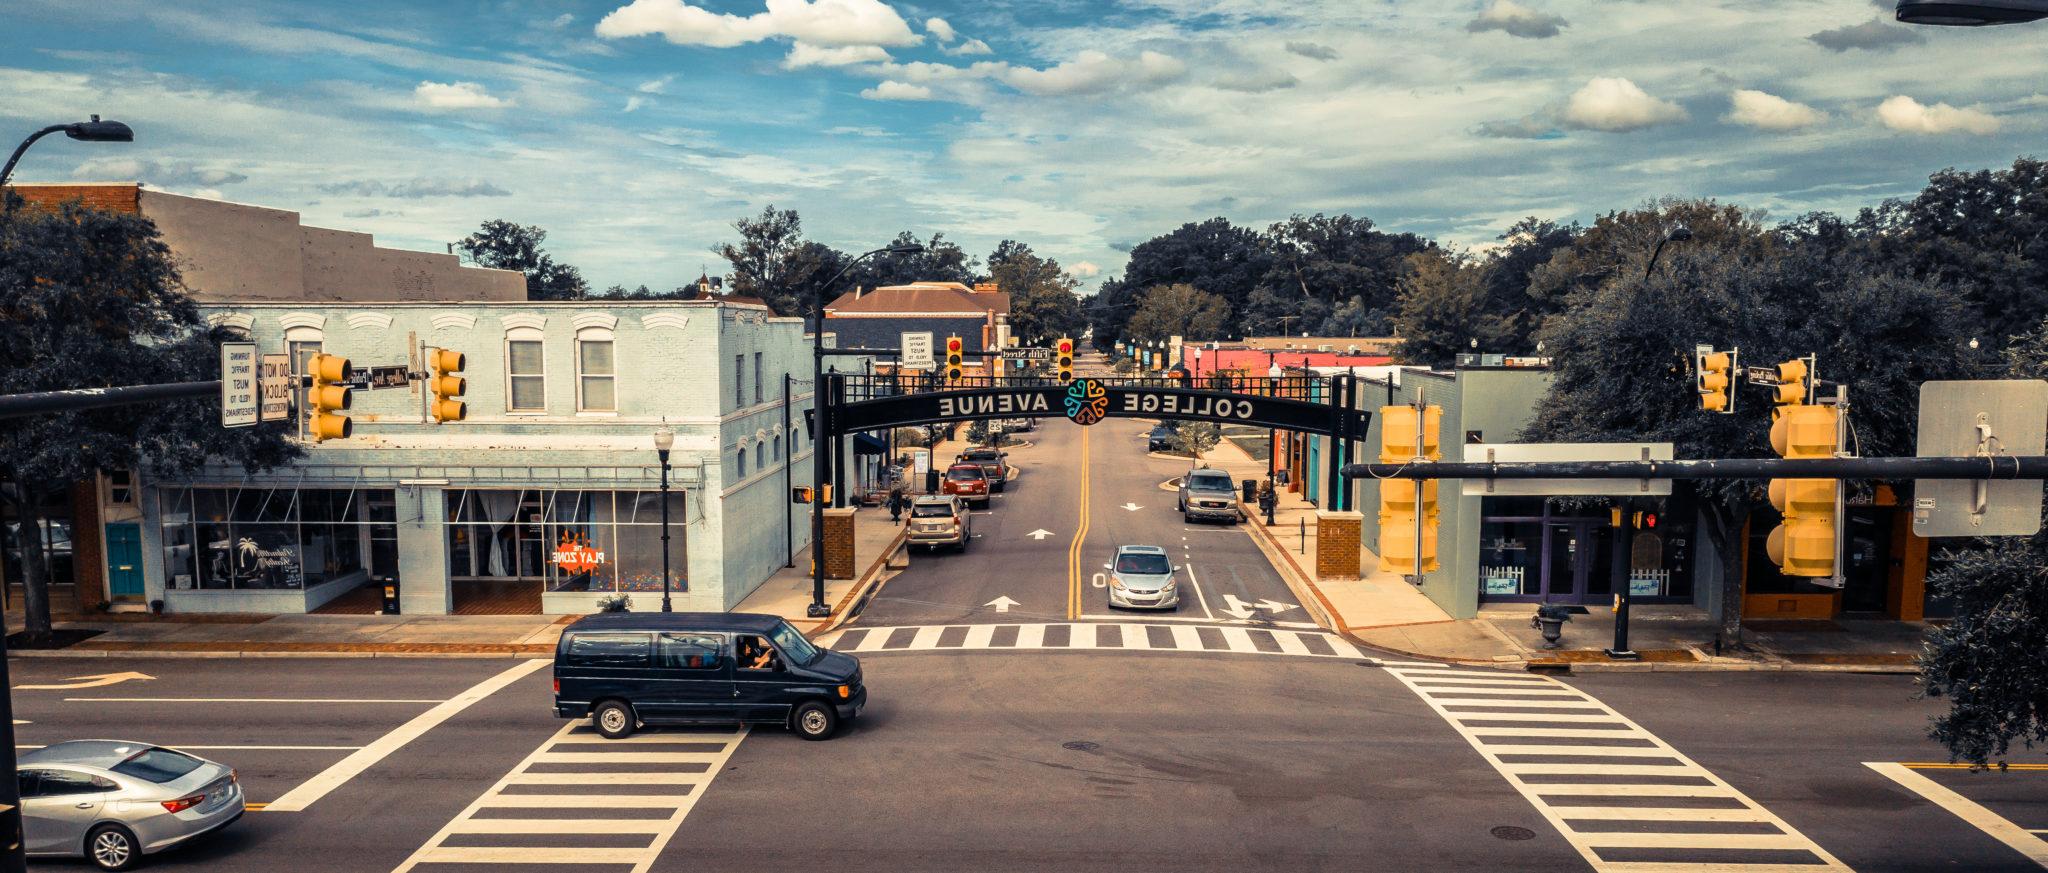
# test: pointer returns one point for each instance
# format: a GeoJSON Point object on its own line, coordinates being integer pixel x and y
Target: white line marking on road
{"type": "Point", "coordinates": [250, 700]}
{"type": "Point", "coordinates": [1239, 639]}
{"type": "Point", "coordinates": [1992, 824]}
{"type": "Point", "coordinates": [94, 681]}
{"type": "Point", "coordinates": [1290, 644]}
{"type": "Point", "coordinates": [1134, 637]}
{"type": "Point", "coordinates": [927, 637]}
{"type": "Point", "coordinates": [1082, 636]}
{"type": "Point", "coordinates": [978, 636]}
{"type": "Point", "coordinates": [1199, 596]}
{"type": "Point", "coordinates": [1031, 636]}
{"type": "Point", "coordinates": [1185, 637]}
{"type": "Point", "coordinates": [311, 790]}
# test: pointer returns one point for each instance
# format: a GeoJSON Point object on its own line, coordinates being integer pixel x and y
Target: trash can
{"type": "Point", "coordinates": [389, 586]}
{"type": "Point", "coordinates": [1251, 489]}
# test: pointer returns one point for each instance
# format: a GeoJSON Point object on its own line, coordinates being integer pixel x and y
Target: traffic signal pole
{"type": "Point", "coordinates": [1986, 467]}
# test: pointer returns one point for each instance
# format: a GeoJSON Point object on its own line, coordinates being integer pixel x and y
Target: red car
{"type": "Point", "coordinates": [968, 482]}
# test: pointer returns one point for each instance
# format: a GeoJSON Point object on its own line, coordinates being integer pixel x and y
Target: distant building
{"type": "Point", "coordinates": [878, 318]}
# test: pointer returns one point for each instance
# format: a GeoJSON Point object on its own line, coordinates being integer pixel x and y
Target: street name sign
{"type": "Point", "coordinates": [1036, 355]}
{"type": "Point", "coordinates": [240, 402]}
{"type": "Point", "coordinates": [1960, 419]}
{"type": "Point", "coordinates": [916, 351]}
{"type": "Point", "coordinates": [387, 377]}
{"type": "Point", "coordinates": [276, 385]}
{"type": "Point", "coordinates": [1506, 453]}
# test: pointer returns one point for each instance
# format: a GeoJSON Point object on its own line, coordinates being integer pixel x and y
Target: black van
{"type": "Point", "coordinates": [625, 669]}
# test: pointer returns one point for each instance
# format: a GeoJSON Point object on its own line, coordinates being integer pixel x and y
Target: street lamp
{"type": "Point", "coordinates": [83, 131]}
{"type": "Point", "coordinates": [1677, 232]}
{"type": "Point", "coordinates": [664, 439]}
{"type": "Point", "coordinates": [818, 609]}
{"type": "Point", "coordinates": [1971, 13]}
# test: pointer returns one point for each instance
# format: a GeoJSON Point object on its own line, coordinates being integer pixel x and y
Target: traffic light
{"type": "Point", "coordinates": [327, 398]}
{"type": "Point", "coordinates": [1795, 383]}
{"type": "Point", "coordinates": [1408, 507]}
{"type": "Point", "coordinates": [955, 359]}
{"type": "Point", "coordinates": [804, 493]}
{"type": "Point", "coordinates": [1805, 544]}
{"type": "Point", "coordinates": [445, 385]}
{"type": "Point", "coordinates": [1063, 359]}
{"type": "Point", "coordinates": [1715, 372]}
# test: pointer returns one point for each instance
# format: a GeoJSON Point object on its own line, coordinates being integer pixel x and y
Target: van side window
{"type": "Point", "coordinates": [688, 651]}
{"type": "Point", "coordinates": [608, 650]}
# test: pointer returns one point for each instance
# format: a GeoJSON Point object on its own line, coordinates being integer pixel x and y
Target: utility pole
{"type": "Point", "coordinates": [788, 457]}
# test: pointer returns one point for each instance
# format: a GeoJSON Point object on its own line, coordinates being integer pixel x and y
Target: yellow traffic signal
{"type": "Point", "coordinates": [1716, 374]}
{"type": "Point", "coordinates": [1408, 507]}
{"type": "Point", "coordinates": [445, 385]}
{"type": "Point", "coordinates": [1794, 383]}
{"type": "Point", "coordinates": [955, 359]}
{"type": "Point", "coordinates": [327, 398]}
{"type": "Point", "coordinates": [1805, 544]}
{"type": "Point", "coordinates": [1063, 359]}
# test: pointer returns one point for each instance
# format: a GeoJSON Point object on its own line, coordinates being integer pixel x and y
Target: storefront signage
{"type": "Point", "coordinates": [239, 399]}
{"type": "Point", "coordinates": [1089, 400]}
{"type": "Point", "coordinates": [575, 555]}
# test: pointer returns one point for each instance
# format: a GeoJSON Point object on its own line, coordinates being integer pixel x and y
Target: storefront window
{"type": "Point", "coordinates": [270, 538]}
{"type": "Point", "coordinates": [1533, 549]}
{"type": "Point", "coordinates": [599, 541]}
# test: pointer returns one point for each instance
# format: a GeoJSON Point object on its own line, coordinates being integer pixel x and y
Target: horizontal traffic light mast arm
{"type": "Point", "coordinates": [44, 402]}
{"type": "Point", "coordinates": [1995, 467]}
{"type": "Point", "coordinates": [861, 353]}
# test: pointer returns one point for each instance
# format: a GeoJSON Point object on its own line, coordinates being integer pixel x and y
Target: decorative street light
{"type": "Point", "coordinates": [83, 131]}
{"type": "Point", "coordinates": [664, 439]}
{"type": "Point", "coordinates": [1677, 232]}
{"type": "Point", "coordinates": [1971, 13]}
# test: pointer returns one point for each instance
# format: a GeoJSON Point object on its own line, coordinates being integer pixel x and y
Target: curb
{"type": "Point", "coordinates": [841, 614]}
{"type": "Point", "coordinates": [1269, 544]}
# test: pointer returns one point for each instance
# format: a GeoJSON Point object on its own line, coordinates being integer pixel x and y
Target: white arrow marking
{"type": "Point", "coordinates": [1132, 507]}
{"type": "Point", "coordinates": [87, 682]}
{"type": "Point", "coordinates": [1276, 607]}
{"type": "Point", "coordinates": [1039, 534]}
{"type": "Point", "coordinates": [1236, 607]}
{"type": "Point", "coordinates": [1002, 604]}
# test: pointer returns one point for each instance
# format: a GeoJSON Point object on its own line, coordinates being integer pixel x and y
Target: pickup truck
{"type": "Point", "coordinates": [967, 482]}
{"type": "Point", "coordinates": [994, 467]}
{"type": "Point", "coordinates": [1207, 494]}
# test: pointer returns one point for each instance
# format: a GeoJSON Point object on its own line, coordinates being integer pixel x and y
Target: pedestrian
{"type": "Point", "coordinates": [1268, 501]}
{"type": "Point", "coordinates": [896, 504]}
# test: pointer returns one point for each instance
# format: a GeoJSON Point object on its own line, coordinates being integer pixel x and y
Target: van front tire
{"type": "Point", "coordinates": [613, 719]}
{"type": "Point", "coordinates": [813, 720]}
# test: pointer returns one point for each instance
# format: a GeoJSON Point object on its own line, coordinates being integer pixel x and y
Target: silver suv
{"type": "Point", "coordinates": [1208, 494]}
{"type": "Point", "coordinates": [1142, 577]}
{"type": "Point", "coordinates": [940, 520]}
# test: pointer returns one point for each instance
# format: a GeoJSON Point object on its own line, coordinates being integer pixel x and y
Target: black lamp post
{"type": "Point", "coordinates": [664, 439]}
{"type": "Point", "coordinates": [1971, 13]}
{"type": "Point", "coordinates": [818, 609]}
{"type": "Point", "coordinates": [83, 131]}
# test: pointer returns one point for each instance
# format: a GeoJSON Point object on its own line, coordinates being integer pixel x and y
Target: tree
{"type": "Point", "coordinates": [1982, 233]}
{"type": "Point", "coordinates": [941, 261]}
{"type": "Point", "coordinates": [1179, 310]}
{"type": "Point", "coordinates": [1346, 264]}
{"type": "Point", "coordinates": [1443, 308]}
{"type": "Point", "coordinates": [1510, 268]}
{"type": "Point", "coordinates": [1215, 256]}
{"type": "Point", "coordinates": [773, 261]}
{"type": "Point", "coordinates": [93, 299]}
{"type": "Point", "coordinates": [506, 246]}
{"type": "Point", "coordinates": [1196, 438]}
{"type": "Point", "coordinates": [1043, 305]}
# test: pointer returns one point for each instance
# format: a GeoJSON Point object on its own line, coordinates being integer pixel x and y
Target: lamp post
{"type": "Point", "coordinates": [664, 439]}
{"type": "Point", "coordinates": [818, 609]}
{"type": "Point", "coordinates": [1677, 232]}
{"type": "Point", "coordinates": [83, 131]}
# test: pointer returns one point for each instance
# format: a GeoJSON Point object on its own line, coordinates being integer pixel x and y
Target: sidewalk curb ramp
{"type": "Point", "coordinates": [856, 598]}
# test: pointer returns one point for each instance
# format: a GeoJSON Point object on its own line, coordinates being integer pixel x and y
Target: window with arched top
{"type": "Point", "coordinates": [526, 376]}
{"type": "Point", "coordinates": [597, 372]}
{"type": "Point", "coordinates": [778, 447]}
{"type": "Point", "coordinates": [761, 452]}
{"type": "Point", "coordinates": [740, 469]}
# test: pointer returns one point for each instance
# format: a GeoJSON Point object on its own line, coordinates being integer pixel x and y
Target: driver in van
{"type": "Point", "coordinates": [755, 654]}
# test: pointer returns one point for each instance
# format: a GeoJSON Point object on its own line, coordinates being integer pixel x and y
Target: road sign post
{"type": "Point", "coordinates": [1980, 418]}
{"type": "Point", "coordinates": [240, 401]}
{"type": "Point", "coordinates": [276, 385]}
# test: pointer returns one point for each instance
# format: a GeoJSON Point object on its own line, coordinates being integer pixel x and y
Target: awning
{"type": "Point", "coordinates": [868, 445]}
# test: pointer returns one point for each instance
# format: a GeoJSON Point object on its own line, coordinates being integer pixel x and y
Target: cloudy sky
{"type": "Point", "coordinates": [636, 132]}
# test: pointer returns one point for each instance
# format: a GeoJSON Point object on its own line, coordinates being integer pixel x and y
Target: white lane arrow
{"type": "Point", "coordinates": [77, 682]}
{"type": "Point", "coordinates": [1002, 604]}
{"type": "Point", "coordinates": [1276, 607]}
{"type": "Point", "coordinates": [1132, 507]}
{"type": "Point", "coordinates": [1039, 534]}
{"type": "Point", "coordinates": [1236, 607]}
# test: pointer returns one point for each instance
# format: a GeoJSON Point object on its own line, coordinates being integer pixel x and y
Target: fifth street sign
{"type": "Point", "coordinates": [239, 400]}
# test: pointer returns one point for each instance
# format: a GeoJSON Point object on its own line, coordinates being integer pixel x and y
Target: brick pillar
{"type": "Point", "coordinates": [1339, 536]}
{"type": "Point", "coordinates": [839, 543]}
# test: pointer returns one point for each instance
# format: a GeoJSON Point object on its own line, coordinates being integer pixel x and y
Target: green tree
{"type": "Point", "coordinates": [1344, 263]}
{"type": "Point", "coordinates": [1982, 233]}
{"type": "Point", "coordinates": [1214, 255]}
{"type": "Point", "coordinates": [1179, 310]}
{"type": "Point", "coordinates": [1510, 268]}
{"type": "Point", "coordinates": [1443, 309]}
{"type": "Point", "coordinates": [941, 261]}
{"type": "Point", "coordinates": [1196, 438]}
{"type": "Point", "coordinates": [1043, 305]}
{"type": "Point", "coordinates": [92, 299]}
{"type": "Point", "coordinates": [773, 261]}
{"type": "Point", "coordinates": [506, 246]}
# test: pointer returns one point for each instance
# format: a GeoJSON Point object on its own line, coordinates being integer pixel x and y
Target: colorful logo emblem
{"type": "Point", "coordinates": [1087, 402]}
{"type": "Point", "coordinates": [575, 556]}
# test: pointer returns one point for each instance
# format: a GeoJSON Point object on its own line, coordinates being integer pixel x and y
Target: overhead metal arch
{"type": "Point", "coordinates": [1089, 400]}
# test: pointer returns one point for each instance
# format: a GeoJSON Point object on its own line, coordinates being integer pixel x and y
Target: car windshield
{"type": "Point", "coordinates": [1142, 564]}
{"type": "Point", "coordinates": [1209, 482]}
{"type": "Point", "coordinates": [793, 645]}
{"type": "Point", "coordinates": [931, 510]}
{"type": "Point", "coordinates": [959, 474]}
{"type": "Point", "coordinates": [157, 765]}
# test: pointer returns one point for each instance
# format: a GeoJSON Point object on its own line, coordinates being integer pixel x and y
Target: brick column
{"type": "Point", "coordinates": [1339, 535]}
{"type": "Point", "coordinates": [839, 543]}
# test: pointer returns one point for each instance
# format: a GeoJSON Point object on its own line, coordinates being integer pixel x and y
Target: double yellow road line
{"type": "Point", "coordinates": [1080, 535]}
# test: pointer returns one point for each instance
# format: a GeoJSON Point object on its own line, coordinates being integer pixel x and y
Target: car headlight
{"type": "Point", "coordinates": [1168, 586]}
{"type": "Point", "coordinates": [1116, 583]}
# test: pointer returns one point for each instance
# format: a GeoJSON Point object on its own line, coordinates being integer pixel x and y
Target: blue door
{"type": "Point", "coordinates": [124, 559]}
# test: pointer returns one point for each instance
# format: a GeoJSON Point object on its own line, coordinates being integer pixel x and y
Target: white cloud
{"type": "Point", "coordinates": [161, 173]}
{"type": "Point", "coordinates": [803, 54]}
{"type": "Point", "coordinates": [1313, 50]}
{"type": "Point", "coordinates": [446, 96]}
{"type": "Point", "coordinates": [1771, 112]}
{"type": "Point", "coordinates": [1256, 81]}
{"type": "Point", "coordinates": [818, 22]}
{"type": "Point", "coordinates": [1907, 114]}
{"type": "Point", "coordinates": [940, 30]}
{"type": "Point", "coordinates": [1093, 72]}
{"type": "Point", "coordinates": [969, 47]}
{"type": "Point", "coordinates": [1616, 105]}
{"type": "Point", "coordinates": [1085, 270]}
{"type": "Point", "coordinates": [656, 86]}
{"type": "Point", "coordinates": [1872, 35]}
{"type": "Point", "coordinates": [415, 189]}
{"type": "Point", "coordinates": [1514, 19]}
{"type": "Point", "coordinates": [894, 90]}
{"type": "Point", "coordinates": [635, 102]}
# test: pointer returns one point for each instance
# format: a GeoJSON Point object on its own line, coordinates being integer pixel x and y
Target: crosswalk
{"type": "Point", "coordinates": [1625, 799]}
{"type": "Point", "coordinates": [1094, 635]}
{"type": "Point", "coordinates": [580, 800]}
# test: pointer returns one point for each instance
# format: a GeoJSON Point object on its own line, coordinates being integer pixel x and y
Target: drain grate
{"type": "Point", "coordinates": [1080, 746]}
{"type": "Point", "coordinates": [1512, 833]}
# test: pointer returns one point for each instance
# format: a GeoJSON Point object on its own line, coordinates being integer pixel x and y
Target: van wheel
{"type": "Point", "coordinates": [112, 847]}
{"type": "Point", "coordinates": [814, 721]}
{"type": "Point", "coordinates": [613, 719]}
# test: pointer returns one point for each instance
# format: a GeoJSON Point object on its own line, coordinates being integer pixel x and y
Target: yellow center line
{"type": "Point", "coordinates": [1080, 534]}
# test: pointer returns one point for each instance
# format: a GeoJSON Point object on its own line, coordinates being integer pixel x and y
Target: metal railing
{"type": "Point", "coordinates": [859, 387]}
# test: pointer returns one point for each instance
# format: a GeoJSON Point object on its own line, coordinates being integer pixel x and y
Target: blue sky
{"type": "Point", "coordinates": [637, 132]}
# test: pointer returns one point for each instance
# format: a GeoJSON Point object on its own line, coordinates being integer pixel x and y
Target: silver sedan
{"type": "Point", "coordinates": [113, 802]}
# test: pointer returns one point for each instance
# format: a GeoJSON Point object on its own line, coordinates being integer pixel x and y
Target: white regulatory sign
{"type": "Point", "coordinates": [277, 388]}
{"type": "Point", "coordinates": [239, 399]}
{"type": "Point", "coordinates": [917, 351]}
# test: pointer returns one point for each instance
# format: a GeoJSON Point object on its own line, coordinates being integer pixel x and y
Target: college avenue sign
{"type": "Point", "coordinates": [1087, 401]}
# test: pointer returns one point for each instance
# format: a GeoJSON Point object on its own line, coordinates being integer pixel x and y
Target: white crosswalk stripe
{"type": "Point", "coordinates": [1098, 636]}
{"type": "Point", "coordinates": [642, 795]}
{"type": "Point", "coordinates": [1625, 799]}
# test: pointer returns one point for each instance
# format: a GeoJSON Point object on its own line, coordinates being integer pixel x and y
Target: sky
{"type": "Point", "coordinates": [636, 132]}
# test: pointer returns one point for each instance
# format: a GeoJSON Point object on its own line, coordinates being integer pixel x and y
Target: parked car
{"type": "Point", "coordinates": [939, 520]}
{"type": "Point", "coordinates": [112, 802]}
{"type": "Point", "coordinates": [967, 481]}
{"type": "Point", "coordinates": [994, 465]}
{"type": "Point", "coordinates": [1142, 577]}
{"type": "Point", "coordinates": [1161, 439]}
{"type": "Point", "coordinates": [1209, 494]}
{"type": "Point", "coordinates": [626, 669]}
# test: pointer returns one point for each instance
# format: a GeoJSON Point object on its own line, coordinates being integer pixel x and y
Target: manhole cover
{"type": "Point", "coordinates": [1510, 832]}
{"type": "Point", "coordinates": [1080, 746]}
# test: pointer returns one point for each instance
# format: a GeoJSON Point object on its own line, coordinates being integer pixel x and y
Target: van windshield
{"type": "Point", "coordinates": [793, 645]}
